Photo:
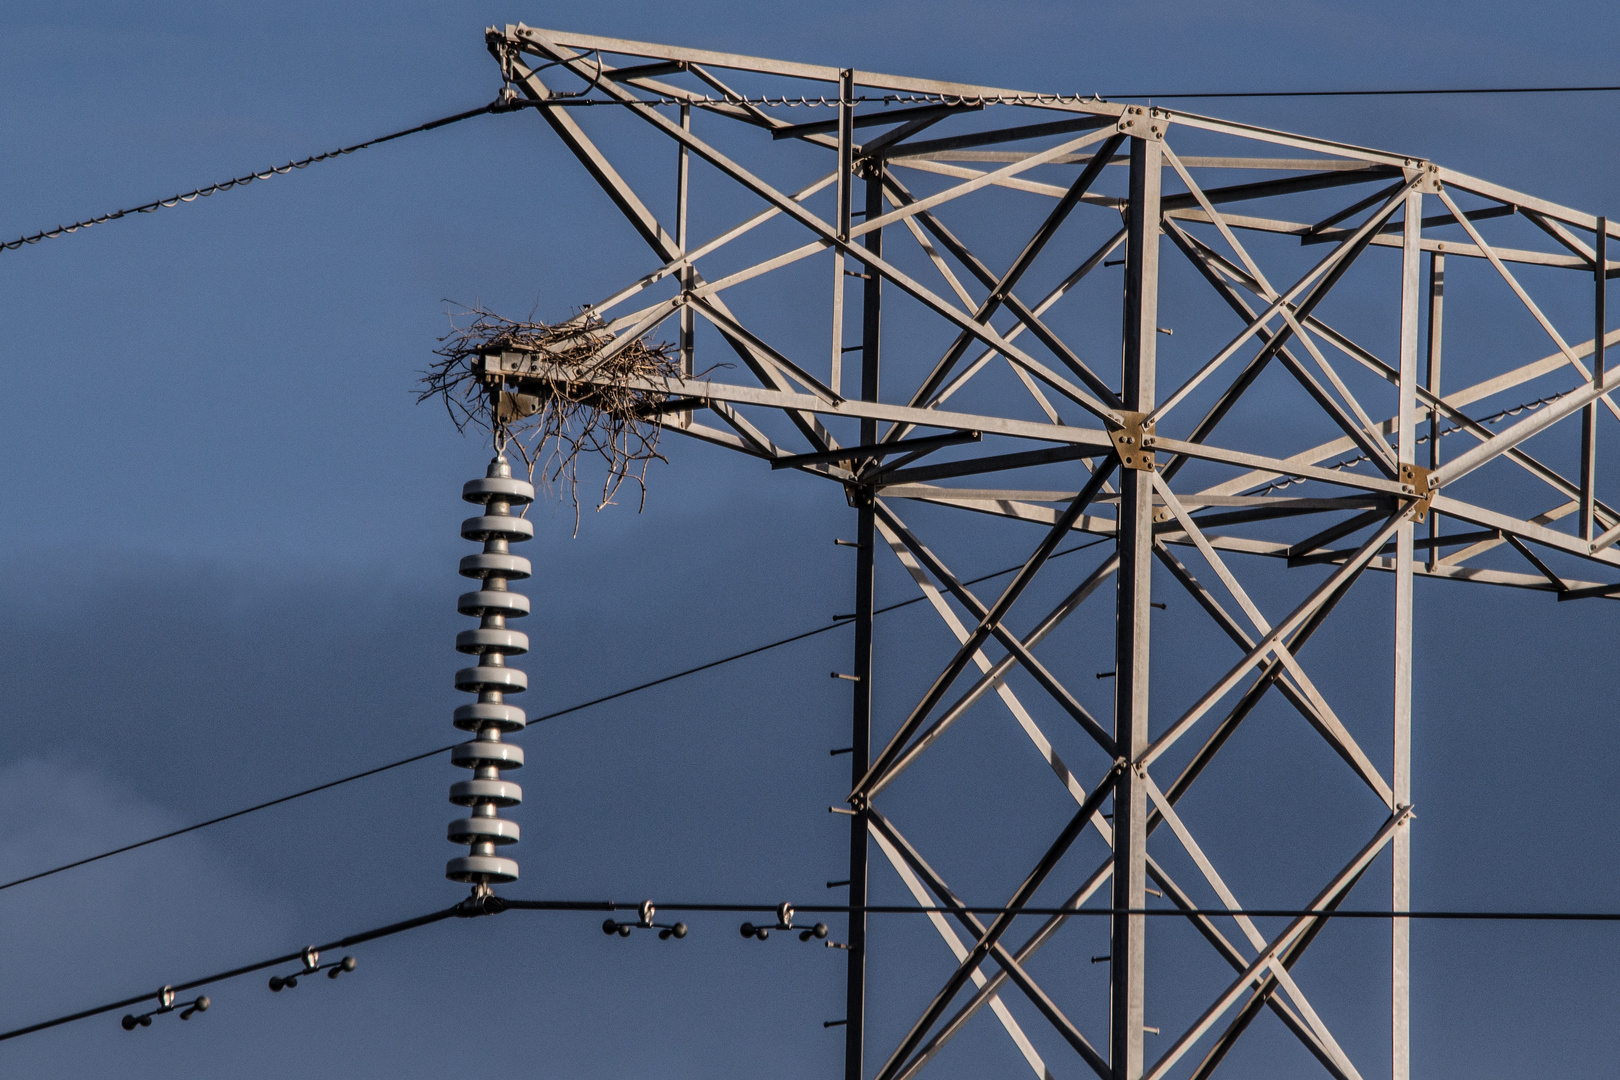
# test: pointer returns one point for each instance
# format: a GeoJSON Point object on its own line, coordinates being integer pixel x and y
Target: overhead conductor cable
{"type": "Point", "coordinates": [493, 604]}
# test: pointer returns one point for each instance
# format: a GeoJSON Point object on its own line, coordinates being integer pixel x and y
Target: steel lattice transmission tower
{"type": "Point", "coordinates": [1189, 464]}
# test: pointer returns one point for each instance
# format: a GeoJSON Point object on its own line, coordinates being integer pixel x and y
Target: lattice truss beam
{"type": "Point", "coordinates": [1275, 439]}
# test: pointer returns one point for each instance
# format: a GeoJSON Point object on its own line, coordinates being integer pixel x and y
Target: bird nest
{"type": "Point", "coordinates": [571, 406]}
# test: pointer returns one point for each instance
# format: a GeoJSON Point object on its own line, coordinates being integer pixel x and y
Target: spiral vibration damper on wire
{"type": "Point", "coordinates": [494, 605]}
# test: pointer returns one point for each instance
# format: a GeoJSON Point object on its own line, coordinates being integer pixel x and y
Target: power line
{"type": "Point", "coordinates": [804, 101]}
{"type": "Point", "coordinates": [769, 102]}
{"type": "Point", "coordinates": [494, 905]}
{"type": "Point", "coordinates": [241, 181]}
{"type": "Point", "coordinates": [1382, 93]}
{"type": "Point", "coordinates": [462, 909]}
{"type": "Point", "coordinates": [604, 699]}
{"type": "Point", "coordinates": [502, 904]}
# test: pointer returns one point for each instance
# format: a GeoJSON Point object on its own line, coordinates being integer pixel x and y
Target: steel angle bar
{"type": "Point", "coordinates": [946, 898]}
{"type": "Point", "coordinates": [1606, 540]}
{"type": "Point", "coordinates": [873, 149]}
{"type": "Point", "coordinates": [1561, 234]}
{"type": "Point", "coordinates": [962, 293]}
{"type": "Point", "coordinates": [1212, 266]}
{"type": "Point", "coordinates": [1264, 995]}
{"type": "Point", "coordinates": [1318, 596]}
{"type": "Point", "coordinates": [992, 676]}
{"type": "Point", "coordinates": [1320, 713]}
{"type": "Point", "coordinates": [1345, 248]}
{"type": "Point", "coordinates": [1530, 557]}
{"type": "Point", "coordinates": [946, 272]}
{"type": "Point", "coordinates": [978, 466]}
{"type": "Point", "coordinates": [716, 437]}
{"type": "Point", "coordinates": [949, 1028]}
{"type": "Point", "coordinates": [827, 233]}
{"type": "Point", "coordinates": [1270, 675]}
{"type": "Point", "coordinates": [1586, 525]}
{"type": "Point", "coordinates": [871, 119]}
{"type": "Point", "coordinates": [690, 258]}
{"type": "Point", "coordinates": [919, 449]}
{"type": "Point", "coordinates": [646, 325]}
{"type": "Point", "coordinates": [845, 127]}
{"type": "Point", "coordinates": [1524, 297]}
{"type": "Point", "coordinates": [1206, 926]}
{"type": "Point", "coordinates": [760, 269]}
{"type": "Point", "coordinates": [1440, 247]}
{"type": "Point", "coordinates": [990, 623]}
{"type": "Point", "coordinates": [1250, 931]}
{"type": "Point", "coordinates": [985, 947]}
{"type": "Point", "coordinates": [1255, 133]}
{"type": "Point", "coordinates": [1362, 433]}
{"type": "Point", "coordinates": [1307, 701]}
{"type": "Point", "coordinates": [646, 224]}
{"type": "Point", "coordinates": [1003, 691]}
{"type": "Point", "coordinates": [1448, 409]}
{"type": "Point", "coordinates": [972, 369]}
{"type": "Point", "coordinates": [899, 193]}
{"type": "Point", "coordinates": [527, 36]}
{"type": "Point", "coordinates": [1034, 513]}
{"type": "Point", "coordinates": [750, 434]}
{"type": "Point", "coordinates": [1375, 448]}
{"type": "Point", "coordinates": [1452, 404]}
{"type": "Point", "coordinates": [1278, 467]}
{"type": "Point", "coordinates": [745, 111]}
{"type": "Point", "coordinates": [629, 320]}
{"type": "Point", "coordinates": [1253, 974]}
{"type": "Point", "coordinates": [1401, 713]}
{"type": "Point", "coordinates": [1020, 265]}
{"type": "Point", "coordinates": [1269, 189]}
{"type": "Point", "coordinates": [1189, 774]}
{"type": "Point", "coordinates": [1283, 509]}
{"type": "Point", "coordinates": [789, 402]}
{"type": "Point", "coordinates": [877, 451]}
{"type": "Point", "coordinates": [1034, 187]}
{"type": "Point", "coordinates": [1519, 200]}
{"type": "Point", "coordinates": [1317, 541]}
{"type": "Point", "coordinates": [1501, 442]}
{"type": "Point", "coordinates": [1355, 208]}
{"type": "Point", "coordinates": [1005, 135]}
{"type": "Point", "coordinates": [914, 885]}
{"type": "Point", "coordinates": [723, 321]}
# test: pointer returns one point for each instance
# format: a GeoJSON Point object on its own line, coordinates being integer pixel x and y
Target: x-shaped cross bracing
{"type": "Point", "coordinates": [1174, 477]}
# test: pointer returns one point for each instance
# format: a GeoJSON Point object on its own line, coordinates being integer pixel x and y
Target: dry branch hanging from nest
{"type": "Point", "coordinates": [556, 417]}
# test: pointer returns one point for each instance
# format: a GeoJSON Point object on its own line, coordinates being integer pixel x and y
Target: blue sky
{"type": "Point", "coordinates": [229, 540]}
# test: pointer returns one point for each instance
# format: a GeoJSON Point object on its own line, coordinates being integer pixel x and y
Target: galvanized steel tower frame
{"type": "Point", "coordinates": [1167, 461]}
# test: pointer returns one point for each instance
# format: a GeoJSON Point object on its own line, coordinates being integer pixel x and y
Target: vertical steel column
{"type": "Point", "coordinates": [1590, 415]}
{"type": "Point", "coordinates": [683, 418]}
{"type": "Point", "coordinates": [1128, 951]}
{"type": "Point", "coordinates": [846, 178]}
{"type": "Point", "coordinates": [1437, 299]}
{"type": "Point", "coordinates": [865, 589]}
{"type": "Point", "coordinates": [1401, 847]}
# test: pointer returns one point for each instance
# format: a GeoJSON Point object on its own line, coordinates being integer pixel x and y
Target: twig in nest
{"type": "Point", "coordinates": [573, 404]}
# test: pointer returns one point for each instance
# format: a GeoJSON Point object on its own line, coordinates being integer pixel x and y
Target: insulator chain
{"type": "Point", "coordinates": [494, 605]}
